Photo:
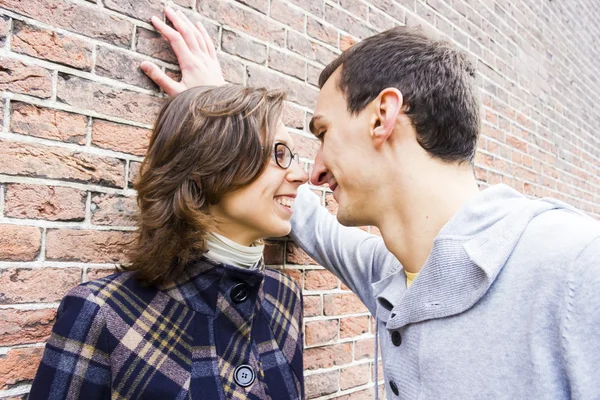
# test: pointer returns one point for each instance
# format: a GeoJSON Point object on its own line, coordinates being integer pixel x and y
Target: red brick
{"type": "Point", "coordinates": [313, 6]}
{"type": "Point", "coordinates": [390, 7]}
{"type": "Point", "coordinates": [293, 117]}
{"type": "Point", "coordinates": [22, 327]}
{"type": "Point", "coordinates": [123, 67]}
{"type": "Point", "coordinates": [17, 77]}
{"type": "Point", "coordinates": [54, 203]}
{"type": "Point", "coordinates": [313, 306]}
{"type": "Point", "coordinates": [97, 273]}
{"type": "Point", "coordinates": [346, 42]}
{"type": "Point", "coordinates": [51, 46]}
{"type": "Point", "coordinates": [292, 17]}
{"type": "Point", "coordinates": [243, 47]}
{"type": "Point", "coordinates": [112, 209]}
{"type": "Point", "coordinates": [354, 7]}
{"type": "Point", "coordinates": [364, 349]}
{"type": "Point", "coordinates": [347, 22]}
{"type": "Point", "coordinates": [19, 366]}
{"type": "Point", "coordinates": [307, 147]}
{"type": "Point", "coordinates": [57, 163]}
{"type": "Point", "coordinates": [79, 92]}
{"type": "Point", "coordinates": [296, 91]}
{"type": "Point", "coordinates": [140, 9]}
{"type": "Point", "coordinates": [353, 326]}
{"type": "Point", "coordinates": [185, 3]}
{"type": "Point", "coordinates": [48, 123]}
{"type": "Point", "coordinates": [381, 21]}
{"type": "Point", "coordinates": [233, 70]}
{"type": "Point", "coordinates": [119, 137]}
{"type": "Point", "coordinates": [327, 356]}
{"type": "Point", "coordinates": [295, 255]}
{"type": "Point", "coordinates": [87, 245]}
{"type": "Point", "coordinates": [256, 25]}
{"type": "Point", "coordinates": [355, 376]}
{"type": "Point", "coordinates": [134, 171]}
{"type": "Point", "coordinates": [22, 285]}
{"type": "Point", "coordinates": [312, 74]}
{"type": "Point", "coordinates": [287, 63]}
{"type": "Point", "coordinates": [322, 31]}
{"type": "Point", "coordinates": [300, 44]}
{"type": "Point", "coordinates": [320, 280]}
{"type": "Point", "coordinates": [153, 44]}
{"type": "Point", "coordinates": [273, 253]}
{"type": "Point", "coordinates": [84, 19]}
{"type": "Point", "coordinates": [295, 274]}
{"type": "Point", "coordinates": [366, 394]}
{"type": "Point", "coordinates": [321, 332]}
{"type": "Point", "coordinates": [340, 304]}
{"type": "Point", "coordinates": [4, 28]}
{"type": "Point", "coordinates": [322, 384]}
{"type": "Point", "coordinates": [19, 243]}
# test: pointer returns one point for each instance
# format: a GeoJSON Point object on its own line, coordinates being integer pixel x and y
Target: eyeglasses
{"type": "Point", "coordinates": [283, 155]}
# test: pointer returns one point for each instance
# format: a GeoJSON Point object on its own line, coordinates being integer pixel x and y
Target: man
{"type": "Point", "coordinates": [506, 304]}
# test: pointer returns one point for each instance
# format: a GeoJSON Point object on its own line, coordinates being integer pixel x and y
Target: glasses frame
{"type": "Point", "coordinates": [293, 156]}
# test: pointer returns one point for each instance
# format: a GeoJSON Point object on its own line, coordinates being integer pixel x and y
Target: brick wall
{"type": "Point", "coordinates": [76, 112]}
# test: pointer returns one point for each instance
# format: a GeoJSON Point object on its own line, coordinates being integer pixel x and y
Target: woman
{"type": "Point", "coordinates": [197, 316]}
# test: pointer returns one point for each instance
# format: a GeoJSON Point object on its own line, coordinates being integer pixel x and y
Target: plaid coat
{"type": "Point", "coordinates": [116, 339]}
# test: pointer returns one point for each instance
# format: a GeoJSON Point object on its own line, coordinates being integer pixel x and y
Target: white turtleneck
{"type": "Point", "coordinates": [227, 251]}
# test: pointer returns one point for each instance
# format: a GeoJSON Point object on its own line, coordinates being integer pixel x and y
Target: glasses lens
{"type": "Point", "coordinates": [283, 155]}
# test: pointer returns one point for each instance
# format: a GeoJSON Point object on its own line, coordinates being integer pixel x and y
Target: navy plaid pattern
{"type": "Point", "coordinates": [117, 339]}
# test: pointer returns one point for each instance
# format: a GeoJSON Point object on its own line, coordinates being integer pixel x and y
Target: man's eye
{"type": "Point", "coordinates": [321, 135]}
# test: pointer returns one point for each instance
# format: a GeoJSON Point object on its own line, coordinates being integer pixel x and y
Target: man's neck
{"type": "Point", "coordinates": [416, 214]}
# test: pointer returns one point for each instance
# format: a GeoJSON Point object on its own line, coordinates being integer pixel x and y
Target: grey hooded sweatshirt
{"type": "Point", "coordinates": [507, 306]}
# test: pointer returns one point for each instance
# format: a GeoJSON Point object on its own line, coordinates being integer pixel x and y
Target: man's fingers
{"type": "Point", "coordinates": [184, 56]}
{"type": "Point", "coordinates": [185, 29]}
{"type": "Point", "coordinates": [197, 35]}
{"type": "Point", "coordinates": [210, 46]}
{"type": "Point", "coordinates": [167, 84]}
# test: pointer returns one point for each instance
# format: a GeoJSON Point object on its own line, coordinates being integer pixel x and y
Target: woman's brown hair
{"type": "Point", "coordinates": [207, 141]}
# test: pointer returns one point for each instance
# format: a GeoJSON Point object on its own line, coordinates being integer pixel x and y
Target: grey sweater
{"type": "Point", "coordinates": [507, 305]}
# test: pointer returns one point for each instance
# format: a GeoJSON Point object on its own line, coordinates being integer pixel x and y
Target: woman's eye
{"type": "Point", "coordinates": [280, 155]}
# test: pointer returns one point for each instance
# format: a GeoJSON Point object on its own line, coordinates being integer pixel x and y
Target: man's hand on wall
{"type": "Point", "coordinates": [195, 53]}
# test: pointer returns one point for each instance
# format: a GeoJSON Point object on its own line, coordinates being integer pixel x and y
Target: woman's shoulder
{"type": "Point", "coordinates": [121, 288]}
{"type": "Point", "coordinates": [274, 278]}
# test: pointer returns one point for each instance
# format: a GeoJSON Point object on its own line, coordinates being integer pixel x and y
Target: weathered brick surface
{"type": "Point", "coordinates": [122, 66]}
{"type": "Point", "coordinates": [35, 160]}
{"type": "Point", "coordinates": [53, 203]}
{"type": "Point", "coordinates": [19, 366]}
{"type": "Point", "coordinates": [63, 68]}
{"type": "Point", "coordinates": [48, 123]}
{"type": "Point", "coordinates": [119, 137]}
{"type": "Point", "coordinates": [19, 243]}
{"type": "Point", "coordinates": [79, 18]}
{"type": "Point", "coordinates": [51, 46]}
{"type": "Point", "coordinates": [113, 210]}
{"type": "Point", "coordinates": [18, 77]}
{"type": "Point", "coordinates": [37, 285]}
{"type": "Point", "coordinates": [121, 103]}
{"type": "Point", "coordinates": [87, 245]}
{"type": "Point", "coordinates": [23, 327]}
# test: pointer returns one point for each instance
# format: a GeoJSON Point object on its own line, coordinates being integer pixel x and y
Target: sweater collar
{"type": "Point", "coordinates": [467, 256]}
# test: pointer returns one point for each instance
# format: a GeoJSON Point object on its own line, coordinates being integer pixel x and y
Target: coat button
{"type": "Point", "coordinates": [239, 293]}
{"type": "Point", "coordinates": [394, 388]}
{"type": "Point", "coordinates": [396, 338]}
{"type": "Point", "coordinates": [244, 375]}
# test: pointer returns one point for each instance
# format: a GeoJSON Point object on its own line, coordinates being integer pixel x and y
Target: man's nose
{"type": "Point", "coordinates": [319, 173]}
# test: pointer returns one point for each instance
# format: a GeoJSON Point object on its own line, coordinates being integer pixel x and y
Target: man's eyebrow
{"type": "Point", "coordinates": [311, 124]}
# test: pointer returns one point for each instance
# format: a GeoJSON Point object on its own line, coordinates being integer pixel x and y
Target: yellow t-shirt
{"type": "Point", "coordinates": [410, 277]}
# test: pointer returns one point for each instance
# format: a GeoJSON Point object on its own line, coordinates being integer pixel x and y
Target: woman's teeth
{"type": "Point", "coordinates": [285, 201]}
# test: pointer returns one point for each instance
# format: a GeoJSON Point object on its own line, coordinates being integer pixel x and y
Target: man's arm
{"type": "Point", "coordinates": [580, 327]}
{"type": "Point", "coordinates": [356, 257]}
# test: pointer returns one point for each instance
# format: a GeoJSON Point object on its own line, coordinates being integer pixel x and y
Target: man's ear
{"type": "Point", "coordinates": [387, 107]}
